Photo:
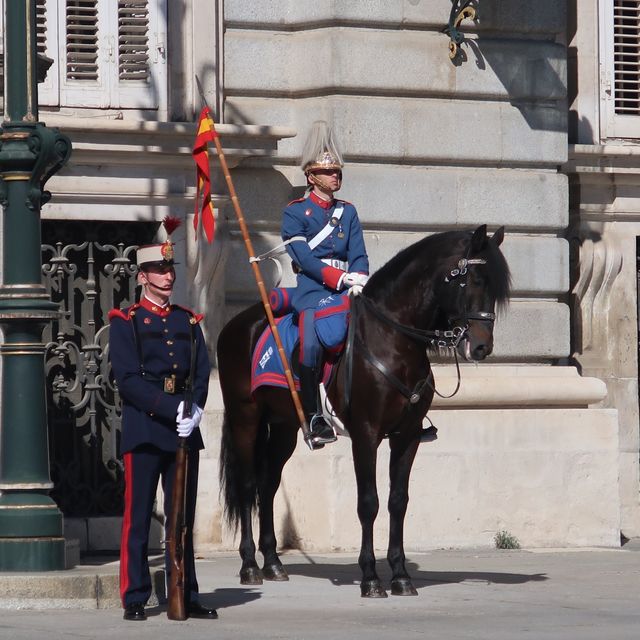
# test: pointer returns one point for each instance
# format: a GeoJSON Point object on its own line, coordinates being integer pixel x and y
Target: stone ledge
{"type": "Point", "coordinates": [161, 144]}
{"type": "Point", "coordinates": [90, 586]}
{"type": "Point", "coordinates": [484, 386]}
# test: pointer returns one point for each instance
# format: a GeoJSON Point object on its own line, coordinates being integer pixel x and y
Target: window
{"type": "Point", "coordinates": [620, 68]}
{"type": "Point", "coordinates": [107, 53]}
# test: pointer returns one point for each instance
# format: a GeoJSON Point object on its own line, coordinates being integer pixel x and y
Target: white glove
{"type": "Point", "coordinates": [185, 426]}
{"type": "Point", "coordinates": [196, 413]}
{"type": "Point", "coordinates": [355, 279]}
{"type": "Point", "coordinates": [355, 290]}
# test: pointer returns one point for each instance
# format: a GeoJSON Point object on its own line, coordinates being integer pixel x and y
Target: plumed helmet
{"type": "Point", "coordinates": [159, 254]}
{"type": "Point", "coordinates": [320, 150]}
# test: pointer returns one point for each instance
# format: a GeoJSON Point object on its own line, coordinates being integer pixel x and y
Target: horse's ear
{"type": "Point", "coordinates": [479, 239]}
{"type": "Point", "coordinates": [498, 236]}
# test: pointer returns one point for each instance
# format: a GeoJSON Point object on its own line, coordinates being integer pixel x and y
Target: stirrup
{"type": "Point", "coordinates": [326, 434]}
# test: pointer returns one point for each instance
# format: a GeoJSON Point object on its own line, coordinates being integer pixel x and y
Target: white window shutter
{"type": "Point", "coordinates": [47, 44]}
{"type": "Point", "coordinates": [626, 57]}
{"type": "Point", "coordinates": [85, 49]}
{"type": "Point", "coordinates": [620, 69]}
{"type": "Point", "coordinates": [140, 78]}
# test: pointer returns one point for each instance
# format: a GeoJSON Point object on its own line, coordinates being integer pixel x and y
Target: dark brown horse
{"type": "Point", "coordinates": [439, 292]}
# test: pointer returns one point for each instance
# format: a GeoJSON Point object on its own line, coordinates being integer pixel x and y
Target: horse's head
{"type": "Point", "coordinates": [473, 287]}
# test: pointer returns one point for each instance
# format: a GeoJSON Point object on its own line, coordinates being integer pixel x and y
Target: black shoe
{"type": "Point", "coordinates": [135, 611]}
{"type": "Point", "coordinates": [196, 610]}
{"type": "Point", "coordinates": [321, 432]}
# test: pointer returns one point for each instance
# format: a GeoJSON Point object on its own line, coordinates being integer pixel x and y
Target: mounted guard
{"type": "Point", "coordinates": [324, 239]}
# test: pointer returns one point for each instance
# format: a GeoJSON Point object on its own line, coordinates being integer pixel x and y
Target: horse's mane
{"type": "Point", "coordinates": [444, 250]}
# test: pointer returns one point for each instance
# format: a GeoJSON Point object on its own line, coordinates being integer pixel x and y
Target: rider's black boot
{"type": "Point", "coordinates": [321, 432]}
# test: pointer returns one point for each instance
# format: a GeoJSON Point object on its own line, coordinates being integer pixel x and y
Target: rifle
{"type": "Point", "coordinates": [177, 530]}
{"type": "Point", "coordinates": [176, 537]}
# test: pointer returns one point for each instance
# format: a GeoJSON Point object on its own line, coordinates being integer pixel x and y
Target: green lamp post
{"type": "Point", "coordinates": [31, 525]}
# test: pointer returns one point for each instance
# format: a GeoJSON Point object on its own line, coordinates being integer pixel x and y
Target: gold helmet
{"type": "Point", "coordinates": [320, 150]}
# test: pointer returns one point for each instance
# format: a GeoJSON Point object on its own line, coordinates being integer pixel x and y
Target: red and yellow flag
{"type": "Point", "coordinates": [206, 133]}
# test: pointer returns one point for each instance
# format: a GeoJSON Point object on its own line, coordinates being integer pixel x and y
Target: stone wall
{"type": "Point", "coordinates": [429, 144]}
{"type": "Point", "coordinates": [604, 208]}
{"type": "Point", "coordinates": [432, 145]}
{"type": "Point", "coordinates": [529, 445]}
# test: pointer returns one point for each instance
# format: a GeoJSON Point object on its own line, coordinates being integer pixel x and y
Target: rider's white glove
{"type": "Point", "coordinates": [355, 279]}
{"type": "Point", "coordinates": [355, 290]}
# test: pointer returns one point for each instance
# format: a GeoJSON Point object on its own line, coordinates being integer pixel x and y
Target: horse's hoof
{"type": "Point", "coordinates": [372, 589]}
{"type": "Point", "coordinates": [403, 587]}
{"type": "Point", "coordinates": [275, 572]}
{"type": "Point", "coordinates": [251, 575]}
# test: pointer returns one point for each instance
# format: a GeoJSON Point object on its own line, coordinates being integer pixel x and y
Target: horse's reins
{"type": "Point", "coordinates": [436, 338]}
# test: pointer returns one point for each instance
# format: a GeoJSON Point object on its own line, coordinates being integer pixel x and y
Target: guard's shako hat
{"type": "Point", "coordinates": [320, 150]}
{"type": "Point", "coordinates": [159, 254]}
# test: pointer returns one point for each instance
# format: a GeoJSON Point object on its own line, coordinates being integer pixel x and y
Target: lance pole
{"type": "Point", "coordinates": [258, 275]}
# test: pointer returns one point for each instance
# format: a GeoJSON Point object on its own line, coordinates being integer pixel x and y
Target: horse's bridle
{"type": "Point", "coordinates": [448, 338]}
{"type": "Point", "coordinates": [461, 272]}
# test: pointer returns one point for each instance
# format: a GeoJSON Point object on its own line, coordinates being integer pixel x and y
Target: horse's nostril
{"type": "Point", "coordinates": [481, 352]}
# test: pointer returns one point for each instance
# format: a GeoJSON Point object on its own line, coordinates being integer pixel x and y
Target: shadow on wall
{"type": "Point", "coordinates": [535, 81]}
{"type": "Point", "coordinates": [263, 194]}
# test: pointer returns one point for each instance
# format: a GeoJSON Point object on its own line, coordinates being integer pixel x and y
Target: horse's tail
{"type": "Point", "coordinates": [238, 485]}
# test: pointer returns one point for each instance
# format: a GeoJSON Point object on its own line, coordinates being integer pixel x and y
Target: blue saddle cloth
{"type": "Point", "coordinates": [331, 322]}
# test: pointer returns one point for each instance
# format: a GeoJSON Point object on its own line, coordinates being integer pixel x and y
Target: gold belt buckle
{"type": "Point", "coordinates": [170, 384]}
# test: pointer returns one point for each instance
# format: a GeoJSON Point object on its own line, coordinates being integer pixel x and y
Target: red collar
{"type": "Point", "coordinates": [325, 204]}
{"type": "Point", "coordinates": [145, 303]}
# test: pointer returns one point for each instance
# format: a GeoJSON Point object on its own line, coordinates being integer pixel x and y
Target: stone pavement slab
{"type": "Point", "coordinates": [498, 595]}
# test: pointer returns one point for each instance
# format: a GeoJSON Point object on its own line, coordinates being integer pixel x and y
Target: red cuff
{"type": "Point", "coordinates": [331, 276]}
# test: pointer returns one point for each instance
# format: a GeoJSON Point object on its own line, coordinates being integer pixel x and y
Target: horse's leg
{"type": "Point", "coordinates": [281, 444]}
{"type": "Point", "coordinates": [403, 452]}
{"type": "Point", "coordinates": [244, 434]}
{"type": "Point", "coordinates": [364, 460]}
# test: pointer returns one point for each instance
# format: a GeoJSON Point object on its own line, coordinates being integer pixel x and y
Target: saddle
{"type": "Point", "coordinates": [331, 323]}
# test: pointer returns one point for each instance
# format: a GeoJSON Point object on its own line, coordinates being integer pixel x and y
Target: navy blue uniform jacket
{"type": "Point", "coordinates": [148, 413]}
{"type": "Point", "coordinates": [306, 217]}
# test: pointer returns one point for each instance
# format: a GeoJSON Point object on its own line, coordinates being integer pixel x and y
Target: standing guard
{"type": "Point", "coordinates": [157, 349]}
{"type": "Point", "coordinates": [324, 238]}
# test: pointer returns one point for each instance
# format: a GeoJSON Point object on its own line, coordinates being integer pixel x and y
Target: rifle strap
{"type": "Point", "coordinates": [192, 362]}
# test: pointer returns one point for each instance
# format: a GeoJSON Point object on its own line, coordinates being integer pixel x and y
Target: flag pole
{"type": "Point", "coordinates": [258, 276]}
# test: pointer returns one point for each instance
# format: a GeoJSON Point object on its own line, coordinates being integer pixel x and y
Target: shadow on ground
{"type": "Point", "coordinates": [349, 574]}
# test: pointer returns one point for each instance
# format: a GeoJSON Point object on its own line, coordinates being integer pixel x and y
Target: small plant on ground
{"type": "Point", "coordinates": [505, 540]}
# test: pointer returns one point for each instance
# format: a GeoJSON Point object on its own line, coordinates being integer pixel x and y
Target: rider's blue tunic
{"type": "Point", "coordinates": [316, 280]}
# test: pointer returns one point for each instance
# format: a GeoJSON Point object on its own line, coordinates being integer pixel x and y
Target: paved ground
{"type": "Point", "coordinates": [578, 595]}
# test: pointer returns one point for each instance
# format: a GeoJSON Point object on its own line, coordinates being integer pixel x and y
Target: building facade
{"type": "Point", "coordinates": [521, 129]}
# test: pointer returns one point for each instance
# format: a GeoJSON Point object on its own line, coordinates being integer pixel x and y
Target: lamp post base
{"type": "Point", "coordinates": [31, 533]}
{"type": "Point", "coordinates": [32, 554]}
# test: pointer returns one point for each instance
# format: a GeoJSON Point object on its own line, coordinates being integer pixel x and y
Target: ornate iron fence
{"type": "Point", "coordinates": [88, 269]}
